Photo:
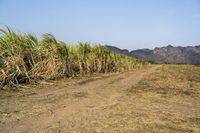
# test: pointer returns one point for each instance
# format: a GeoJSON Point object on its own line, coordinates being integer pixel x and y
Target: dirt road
{"type": "Point", "coordinates": [101, 103]}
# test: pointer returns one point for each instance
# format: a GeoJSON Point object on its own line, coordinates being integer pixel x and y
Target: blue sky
{"type": "Point", "coordinates": [127, 24]}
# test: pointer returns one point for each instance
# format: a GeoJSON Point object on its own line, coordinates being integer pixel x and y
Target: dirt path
{"type": "Point", "coordinates": [96, 104]}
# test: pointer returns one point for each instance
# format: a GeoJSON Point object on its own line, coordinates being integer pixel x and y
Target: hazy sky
{"type": "Point", "coordinates": [127, 24]}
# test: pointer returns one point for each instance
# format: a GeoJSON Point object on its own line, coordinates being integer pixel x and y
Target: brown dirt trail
{"type": "Point", "coordinates": [96, 104]}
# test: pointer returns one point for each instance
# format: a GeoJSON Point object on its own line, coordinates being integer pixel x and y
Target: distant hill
{"type": "Point", "coordinates": [118, 50]}
{"type": "Point", "coordinates": [168, 55]}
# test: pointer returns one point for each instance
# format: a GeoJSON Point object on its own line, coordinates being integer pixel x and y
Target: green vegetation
{"type": "Point", "coordinates": [25, 59]}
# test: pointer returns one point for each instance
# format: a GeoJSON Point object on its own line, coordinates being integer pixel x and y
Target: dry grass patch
{"type": "Point", "coordinates": [171, 80]}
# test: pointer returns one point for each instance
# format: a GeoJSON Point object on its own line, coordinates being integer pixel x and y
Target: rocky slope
{"type": "Point", "coordinates": [168, 55]}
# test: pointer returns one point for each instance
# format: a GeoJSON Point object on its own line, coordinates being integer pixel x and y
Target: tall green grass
{"type": "Point", "coordinates": [25, 59]}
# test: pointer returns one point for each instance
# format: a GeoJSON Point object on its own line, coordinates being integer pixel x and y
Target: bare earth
{"type": "Point", "coordinates": [152, 99]}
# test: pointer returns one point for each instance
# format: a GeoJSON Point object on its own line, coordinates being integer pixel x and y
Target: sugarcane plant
{"type": "Point", "coordinates": [25, 59]}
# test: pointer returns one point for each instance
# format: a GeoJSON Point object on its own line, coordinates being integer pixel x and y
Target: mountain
{"type": "Point", "coordinates": [167, 55]}
{"type": "Point", "coordinates": [118, 50]}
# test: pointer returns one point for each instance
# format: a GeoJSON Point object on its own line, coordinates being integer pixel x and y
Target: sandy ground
{"type": "Point", "coordinates": [134, 101]}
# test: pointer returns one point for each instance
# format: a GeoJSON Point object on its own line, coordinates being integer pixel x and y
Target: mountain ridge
{"type": "Point", "coordinates": [165, 55]}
